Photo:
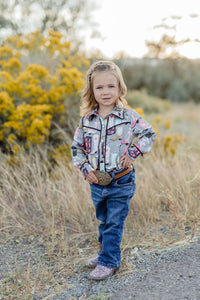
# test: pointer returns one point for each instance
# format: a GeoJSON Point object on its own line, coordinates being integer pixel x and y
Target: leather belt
{"type": "Point", "coordinates": [121, 174]}
{"type": "Point", "coordinates": [105, 178]}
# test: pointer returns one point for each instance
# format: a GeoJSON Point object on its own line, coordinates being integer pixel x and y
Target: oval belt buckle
{"type": "Point", "coordinates": [103, 177]}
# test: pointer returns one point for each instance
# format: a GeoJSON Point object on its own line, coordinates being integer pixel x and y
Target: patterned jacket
{"type": "Point", "coordinates": [100, 143]}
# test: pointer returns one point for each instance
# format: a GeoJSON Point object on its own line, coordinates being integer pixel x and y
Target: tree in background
{"type": "Point", "coordinates": [164, 72]}
{"type": "Point", "coordinates": [70, 17]}
{"type": "Point", "coordinates": [165, 47]}
{"type": "Point", "coordinates": [174, 79]}
{"type": "Point", "coordinates": [169, 43]}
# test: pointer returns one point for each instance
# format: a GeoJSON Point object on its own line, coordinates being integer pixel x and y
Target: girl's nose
{"type": "Point", "coordinates": [105, 91]}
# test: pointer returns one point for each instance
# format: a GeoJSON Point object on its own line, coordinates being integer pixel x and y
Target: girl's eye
{"type": "Point", "coordinates": [111, 86]}
{"type": "Point", "coordinates": [99, 87]}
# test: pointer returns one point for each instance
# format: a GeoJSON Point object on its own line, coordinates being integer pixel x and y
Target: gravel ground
{"type": "Point", "coordinates": [173, 275]}
{"type": "Point", "coordinates": [169, 275]}
{"type": "Point", "coordinates": [156, 275]}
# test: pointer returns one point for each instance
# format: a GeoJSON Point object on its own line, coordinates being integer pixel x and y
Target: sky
{"type": "Point", "coordinates": [126, 24]}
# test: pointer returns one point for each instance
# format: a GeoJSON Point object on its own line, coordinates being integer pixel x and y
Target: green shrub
{"type": "Point", "coordinates": [148, 103]}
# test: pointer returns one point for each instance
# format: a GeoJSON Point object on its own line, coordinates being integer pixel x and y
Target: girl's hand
{"type": "Point", "coordinates": [91, 178]}
{"type": "Point", "coordinates": [127, 161]}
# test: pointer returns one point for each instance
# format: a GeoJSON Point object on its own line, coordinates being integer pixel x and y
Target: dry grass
{"type": "Point", "coordinates": [57, 206]}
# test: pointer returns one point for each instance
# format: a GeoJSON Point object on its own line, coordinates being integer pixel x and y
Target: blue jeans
{"type": "Point", "coordinates": [112, 206]}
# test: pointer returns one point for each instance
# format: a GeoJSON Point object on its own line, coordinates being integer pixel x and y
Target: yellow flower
{"type": "Point", "coordinates": [6, 105]}
{"type": "Point", "coordinates": [158, 119]}
{"type": "Point", "coordinates": [13, 64]}
{"type": "Point", "coordinates": [16, 149]}
{"type": "Point", "coordinates": [168, 124]}
{"type": "Point", "coordinates": [57, 44]}
{"type": "Point", "coordinates": [62, 153]}
{"type": "Point", "coordinates": [38, 71]}
{"type": "Point", "coordinates": [157, 131]}
{"type": "Point", "coordinates": [171, 142]}
{"type": "Point", "coordinates": [78, 60]}
{"type": "Point", "coordinates": [5, 52]}
{"type": "Point", "coordinates": [1, 135]}
{"type": "Point", "coordinates": [11, 138]}
{"type": "Point", "coordinates": [140, 111]}
{"type": "Point", "coordinates": [5, 77]}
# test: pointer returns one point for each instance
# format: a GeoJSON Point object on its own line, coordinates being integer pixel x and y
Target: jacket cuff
{"type": "Point", "coordinates": [86, 168]}
{"type": "Point", "coordinates": [134, 152]}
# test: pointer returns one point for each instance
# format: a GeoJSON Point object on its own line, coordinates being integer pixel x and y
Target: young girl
{"type": "Point", "coordinates": [103, 150]}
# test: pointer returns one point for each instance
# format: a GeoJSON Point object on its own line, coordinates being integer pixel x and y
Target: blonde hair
{"type": "Point", "coordinates": [87, 96]}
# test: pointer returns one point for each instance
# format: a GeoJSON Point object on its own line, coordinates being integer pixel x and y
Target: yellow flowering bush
{"type": "Point", "coordinates": [29, 122]}
{"type": "Point", "coordinates": [171, 142]}
{"type": "Point", "coordinates": [168, 143]}
{"type": "Point", "coordinates": [61, 154]}
{"type": "Point", "coordinates": [38, 78]}
{"type": "Point", "coordinates": [6, 105]}
{"type": "Point", "coordinates": [139, 110]}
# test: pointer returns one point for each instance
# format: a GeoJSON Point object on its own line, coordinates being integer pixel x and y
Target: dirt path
{"type": "Point", "coordinates": [174, 276]}
{"type": "Point", "coordinates": [171, 274]}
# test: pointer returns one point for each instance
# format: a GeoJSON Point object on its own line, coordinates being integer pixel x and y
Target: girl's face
{"type": "Point", "coordinates": [106, 89]}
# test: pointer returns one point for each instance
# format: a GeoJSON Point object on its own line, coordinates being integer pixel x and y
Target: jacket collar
{"type": "Point", "coordinates": [118, 111]}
